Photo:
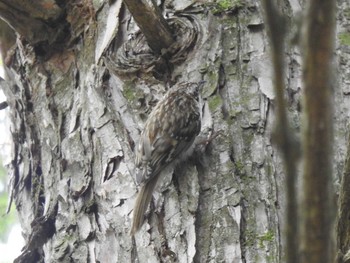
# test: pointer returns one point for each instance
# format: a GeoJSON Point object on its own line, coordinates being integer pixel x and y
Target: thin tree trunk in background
{"type": "Point", "coordinates": [283, 134]}
{"type": "Point", "coordinates": [318, 197]}
{"type": "Point", "coordinates": [343, 223]}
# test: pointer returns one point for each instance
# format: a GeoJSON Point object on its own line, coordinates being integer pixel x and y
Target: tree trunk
{"type": "Point", "coordinates": [343, 52]}
{"type": "Point", "coordinates": [77, 110]}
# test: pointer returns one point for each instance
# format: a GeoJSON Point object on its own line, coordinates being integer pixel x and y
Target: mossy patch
{"type": "Point", "coordinates": [129, 91]}
{"type": "Point", "coordinates": [267, 237]}
{"type": "Point", "coordinates": [250, 237]}
{"type": "Point", "coordinates": [239, 167]}
{"type": "Point", "coordinates": [214, 102]}
{"type": "Point", "coordinates": [346, 12]}
{"type": "Point", "coordinates": [226, 6]}
{"type": "Point", "coordinates": [344, 39]}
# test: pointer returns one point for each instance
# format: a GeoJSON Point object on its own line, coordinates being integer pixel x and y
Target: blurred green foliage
{"type": "Point", "coordinates": [6, 220]}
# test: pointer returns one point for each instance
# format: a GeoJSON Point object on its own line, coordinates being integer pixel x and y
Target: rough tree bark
{"type": "Point", "coordinates": [79, 99]}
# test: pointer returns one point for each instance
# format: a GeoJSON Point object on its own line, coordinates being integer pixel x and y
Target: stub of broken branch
{"type": "Point", "coordinates": [136, 57]}
{"type": "Point", "coordinates": [3, 105]}
{"type": "Point", "coordinates": [152, 24]}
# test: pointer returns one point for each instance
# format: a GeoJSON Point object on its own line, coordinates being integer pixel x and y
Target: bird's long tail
{"type": "Point", "coordinates": [141, 204]}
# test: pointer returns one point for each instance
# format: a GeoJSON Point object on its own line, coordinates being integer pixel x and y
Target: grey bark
{"type": "Point", "coordinates": [75, 123]}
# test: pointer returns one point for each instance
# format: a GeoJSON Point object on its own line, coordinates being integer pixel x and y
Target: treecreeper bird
{"type": "Point", "coordinates": [169, 132]}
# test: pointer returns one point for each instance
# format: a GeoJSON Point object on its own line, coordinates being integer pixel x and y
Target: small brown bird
{"type": "Point", "coordinates": [169, 132]}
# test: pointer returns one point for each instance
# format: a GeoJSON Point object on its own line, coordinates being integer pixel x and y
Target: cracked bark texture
{"type": "Point", "coordinates": [75, 123]}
